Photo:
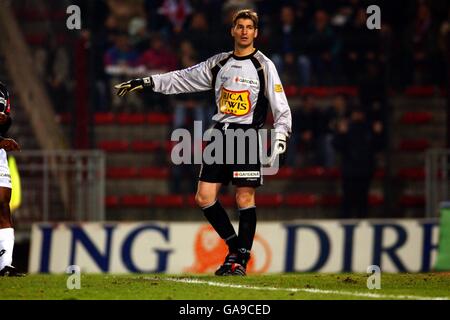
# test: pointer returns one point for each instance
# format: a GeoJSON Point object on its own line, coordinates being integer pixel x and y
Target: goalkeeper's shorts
{"type": "Point", "coordinates": [240, 157]}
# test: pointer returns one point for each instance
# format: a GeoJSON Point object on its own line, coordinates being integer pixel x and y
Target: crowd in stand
{"type": "Point", "coordinates": [312, 43]}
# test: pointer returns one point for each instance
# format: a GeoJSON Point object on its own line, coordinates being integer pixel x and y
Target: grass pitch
{"type": "Point", "coordinates": [255, 287]}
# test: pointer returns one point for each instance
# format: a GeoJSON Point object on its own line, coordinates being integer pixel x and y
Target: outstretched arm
{"type": "Point", "coordinates": [9, 144]}
{"type": "Point", "coordinates": [193, 79]}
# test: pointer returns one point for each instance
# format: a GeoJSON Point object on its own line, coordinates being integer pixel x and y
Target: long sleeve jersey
{"type": "Point", "coordinates": [244, 87]}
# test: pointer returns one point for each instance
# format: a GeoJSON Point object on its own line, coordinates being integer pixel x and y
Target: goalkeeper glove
{"type": "Point", "coordinates": [279, 149]}
{"type": "Point", "coordinates": [132, 85]}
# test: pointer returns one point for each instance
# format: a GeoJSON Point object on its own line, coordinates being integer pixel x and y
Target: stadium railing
{"type": "Point", "coordinates": [437, 173]}
{"type": "Point", "coordinates": [42, 199]}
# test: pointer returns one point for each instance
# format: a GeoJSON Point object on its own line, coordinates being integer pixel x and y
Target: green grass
{"type": "Point", "coordinates": [162, 287]}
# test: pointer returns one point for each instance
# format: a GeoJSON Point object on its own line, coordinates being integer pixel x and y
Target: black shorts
{"type": "Point", "coordinates": [243, 166]}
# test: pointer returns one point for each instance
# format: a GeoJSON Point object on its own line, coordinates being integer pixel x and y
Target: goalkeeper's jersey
{"type": "Point", "coordinates": [244, 88]}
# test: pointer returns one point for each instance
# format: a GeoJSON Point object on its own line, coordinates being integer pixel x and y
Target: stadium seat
{"type": "Point", "coordinates": [154, 173]}
{"type": "Point", "coordinates": [347, 90]}
{"type": "Point", "coordinates": [323, 92]}
{"type": "Point", "coordinates": [36, 39]}
{"type": "Point", "coordinates": [331, 200]}
{"type": "Point", "coordinates": [268, 200]}
{"type": "Point", "coordinates": [315, 91]}
{"type": "Point", "coordinates": [111, 201]}
{"type": "Point", "coordinates": [380, 173]}
{"type": "Point", "coordinates": [114, 146]}
{"type": "Point", "coordinates": [168, 145]}
{"type": "Point", "coordinates": [31, 15]}
{"type": "Point", "coordinates": [227, 200]}
{"type": "Point", "coordinates": [168, 201]}
{"type": "Point", "coordinates": [159, 118]}
{"type": "Point", "coordinates": [64, 118]}
{"type": "Point", "coordinates": [376, 200]}
{"type": "Point", "coordinates": [283, 173]}
{"type": "Point", "coordinates": [301, 200]}
{"type": "Point", "coordinates": [414, 145]}
{"type": "Point", "coordinates": [122, 173]}
{"type": "Point", "coordinates": [310, 173]}
{"type": "Point", "coordinates": [412, 173]}
{"type": "Point", "coordinates": [291, 90]}
{"type": "Point", "coordinates": [332, 173]}
{"type": "Point", "coordinates": [416, 117]}
{"type": "Point", "coordinates": [412, 201]}
{"type": "Point", "coordinates": [40, 15]}
{"type": "Point", "coordinates": [135, 201]}
{"type": "Point", "coordinates": [130, 118]}
{"type": "Point", "coordinates": [420, 91]}
{"type": "Point", "coordinates": [190, 201]}
{"type": "Point", "coordinates": [58, 14]}
{"type": "Point", "coordinates": [102, 118]}
{"type": "Point", "coordinates": [145, 146]}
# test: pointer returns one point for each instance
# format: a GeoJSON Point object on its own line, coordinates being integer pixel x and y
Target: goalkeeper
{"type": "Point", "coordinates": [245, 83]}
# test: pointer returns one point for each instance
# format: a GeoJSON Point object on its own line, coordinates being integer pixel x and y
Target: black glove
{"type": "Point", "coordinates": [135, 84]}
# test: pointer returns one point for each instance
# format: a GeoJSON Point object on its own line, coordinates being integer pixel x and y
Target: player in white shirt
{"type": "Point", "coordinates": [6, 227]}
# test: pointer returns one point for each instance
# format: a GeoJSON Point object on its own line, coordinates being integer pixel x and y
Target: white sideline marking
{"type": "Point", "coordinates": [347, 293]}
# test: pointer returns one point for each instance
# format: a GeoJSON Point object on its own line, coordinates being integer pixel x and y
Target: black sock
{"type": "Point", "coordinates": [247, 228]}
{"type": "Point", "coordinates": [218, 218]}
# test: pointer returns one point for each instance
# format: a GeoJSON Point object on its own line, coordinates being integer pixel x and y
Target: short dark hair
{"type": "Point", "coordinates": [246, 14]}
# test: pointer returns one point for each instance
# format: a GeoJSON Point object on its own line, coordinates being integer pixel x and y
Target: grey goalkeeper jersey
{"type": "Point", "coordinates": [244, 87]}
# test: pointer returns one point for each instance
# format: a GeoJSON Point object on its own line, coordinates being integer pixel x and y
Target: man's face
{"type": "Point", "coordinates": [244, 33]}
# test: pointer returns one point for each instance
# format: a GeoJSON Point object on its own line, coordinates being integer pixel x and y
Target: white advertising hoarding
{"type": "Point", "coordinates": [407, 245]}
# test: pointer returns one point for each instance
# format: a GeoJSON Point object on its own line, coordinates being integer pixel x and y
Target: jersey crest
{"type": "Point", "coordinates": [235, 102]}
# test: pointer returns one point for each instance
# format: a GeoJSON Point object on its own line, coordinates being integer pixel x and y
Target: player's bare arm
{"type": "Point", "coordinates": [9, 144]}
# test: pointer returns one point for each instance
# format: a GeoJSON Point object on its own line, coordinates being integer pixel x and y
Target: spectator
{"type": "Point", "coordinates": [323, 47]}
{"type": "Point", "coordinates": [360, 46]}
{"type": "Point", "coordinates": [444, 44]}
{"type": "Point", "coordinates": [139, 37]}
{"type": "Point", "coordinates": [372, 92]}
{"type": "Point", "coordinates": [53, 67]}
{"type": "Point", "coordinates": [423, 60]}
{"type": "Point", "coordinates": [159, 58]}
{"type": "Point", "coordinates": [289, 57]}
{"type": "Point", "coordinates": [304, 137]}
{"type": "Point", "coordinates": [358, 141]}
{"type": "Point", "coordinates": [176, 13]}
{"type": "Point", "coordinates": [119, 60]}
{"type": "Point", "coordinates": [199, 36]}
{"type": "Point", "coordinates": [444, 33]}
{"type": "Point", "coordinates": [332, 115]}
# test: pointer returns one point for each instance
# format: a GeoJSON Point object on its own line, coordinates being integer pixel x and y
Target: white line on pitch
{"type": "Point", "coordinates": [347, 293]}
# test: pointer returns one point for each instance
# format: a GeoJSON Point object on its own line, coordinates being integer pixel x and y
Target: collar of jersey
{"type": "Point", "coordinates": [244, 57]}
